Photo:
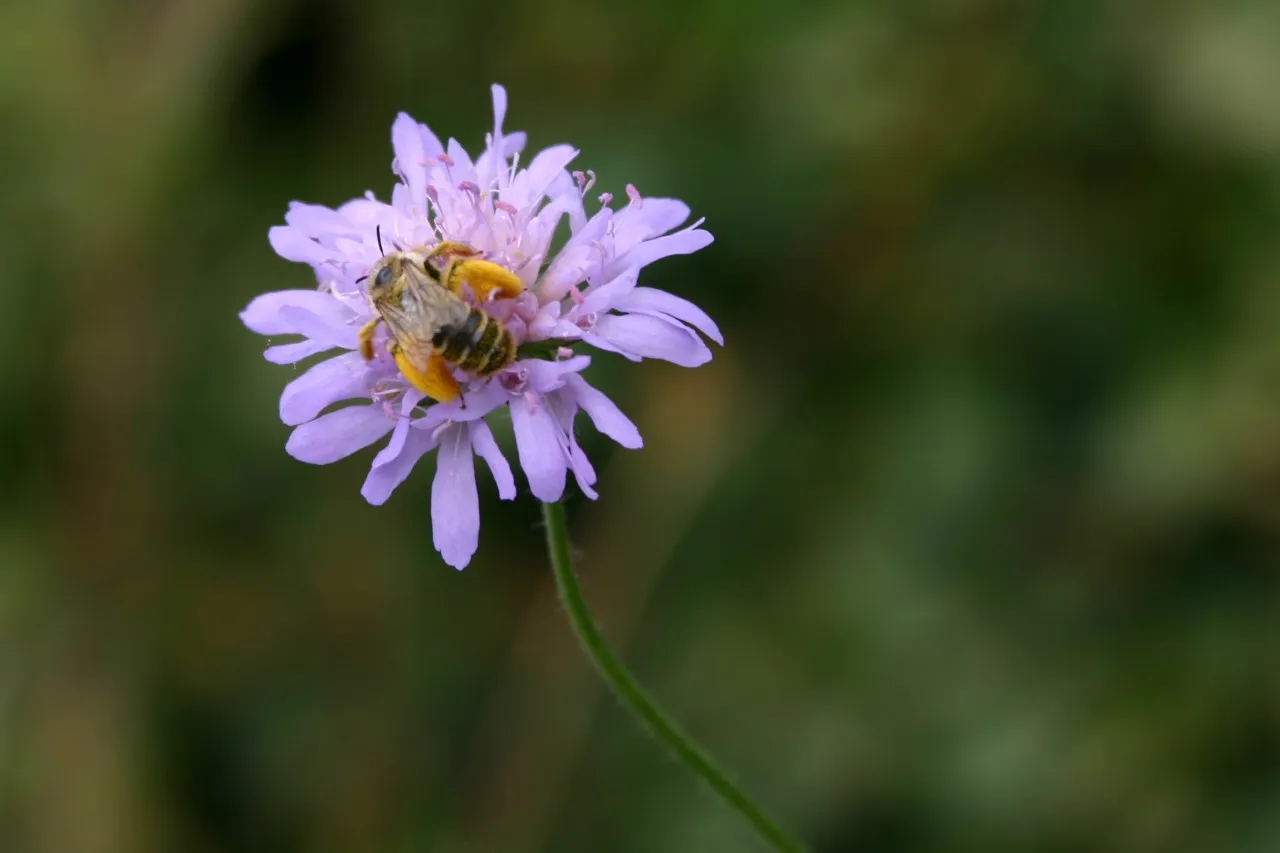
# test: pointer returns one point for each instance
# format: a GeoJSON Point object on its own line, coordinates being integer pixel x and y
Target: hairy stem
{"type": "Point", "coordinates": [634, 697]}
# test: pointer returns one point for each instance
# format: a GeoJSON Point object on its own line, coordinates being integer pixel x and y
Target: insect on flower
{"type": "Point", "coordinates": [433, 329]}
{"type": "Point", "coordinates": [475, 304]}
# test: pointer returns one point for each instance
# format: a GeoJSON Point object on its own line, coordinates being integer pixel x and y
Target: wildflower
{"type": "Point", "coordinates": [586, 292]}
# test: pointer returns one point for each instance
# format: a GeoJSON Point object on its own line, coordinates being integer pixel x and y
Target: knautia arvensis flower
{"type": "Point", "coordinates": [584, 294]}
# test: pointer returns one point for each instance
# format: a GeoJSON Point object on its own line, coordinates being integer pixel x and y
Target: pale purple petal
{"type": "Point", "coordinates": [329, 329]}
{"type": "Point", "coordinates": [293, 245]}
{"type": "Point", "coordinates": [316, 220]}
{"type": "Point", "coordinates": [462, 169]}
{"type": "Point", "coordinates": [561, 329]}
{"type": "Point", "coordinates": [602, 297]}
{"type": "Point", "coordinates": [607, 417]}
{"type": "Point", "coordinates": [263, 314]}
{"type": "Point", "coordinates": [327, 382]}
{"type": "Point", "coordinates": [543, 375]}
{"type": "Point", "coordinates": [680, 243]}
{"type": "Point", "coordinates": [538, 438]}
{"type": "Point", "coordinates": [406, 143]}
{"type": "Point", "coordinates": [499, 94]}
{"type": "Point", "coordinates": [608, 346]}
{"type": "Point", "coordinates": [532, 183]}
{"type": "Point", "coordinates": [583, 472]}
{"type": "Point", "coordinates": [383, 479]}
{"type": "Point", "coordinates": [647, 300]}
{"type": "Point", "coordinates": [513, 143]}
{"type": "Point", "coordinates": [578, 257]}
{"type": "Point", "coordinates": [564, 408]}
{"type": "Point", "coordinates": [654, 215]}
{"type": "Point", "coordinates": [484, 445]}
{"type": "Point", "coordinates": [455, 505]}
{"type": "Point", "coordinates": [480, 402]}
{"type": "Point", "coordinates": [654, 337]}
{"type": "Point", "coordinates": [338, 434]}
{"type": "Point", "coordinates": [289, 353]}
{"type": "Point", "coordinates": [399, 435]}
{"type": "Point", "coordinates": [638, 222]}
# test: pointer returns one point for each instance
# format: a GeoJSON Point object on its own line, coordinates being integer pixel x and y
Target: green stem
{"type": "Point", "coordinates": [626, 688]}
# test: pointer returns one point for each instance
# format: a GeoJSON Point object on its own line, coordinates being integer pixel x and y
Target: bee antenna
{"type": "Point", "coordinates": [378, 230]}
{"type": "Point", "coordinates": [361, 278]}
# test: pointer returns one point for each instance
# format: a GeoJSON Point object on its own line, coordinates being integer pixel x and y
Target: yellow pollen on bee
{"type": "Point", "coordinates": [486, 277]}
{"type": "Point", "coordinates": [436, 381]}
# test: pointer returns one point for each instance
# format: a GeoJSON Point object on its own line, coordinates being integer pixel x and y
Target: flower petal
{"type": "Point", "coordinates": [263, 315]}
{"type": "Point", "coordinates": [564, 408]}
{"type": "Point", "coordinates": [327, 382]}
{"type": "Point", "coordinates": [679, 243]}
{"type": "Point", "coordinates": [538, 438]}
{"type": "Point", "coordinates": [455, 505]}
{"type": "Point", "coordinates": [654, 337]}
{"type": "Point", "coordinates": [583, 472]}
{"type": "Point", "coordinates": [601, 343]}
{"type": "Point", "coordinates": [480, 402]}
{"type": "Point", "coordinates": [647, 300]}
{"type": "Point", "coordinates": [499, 94]}
{"type": "Point", "coordinates": [326, 329]}
{"type": "Point", "coordinates": [532, 183]}
{"type": "Point", "coordinates": [293, 245]}
{"type": "Point", "coordinates": [654, 215]}
{"type": "Point", "coordinates": [607, 417]}
{"type": "Point", "coordinates": [399, 435]}
{"type": "Point", "coordinates": [338, 434]}
{"type": "Point", "coordinates": [484, 445]}
{"type": "Point", "coordinates": [411, 162]}
{"type": "Point", "coordinates": [576, 259]}
{"type": "Point", "coordinates": [638, 222]}
{"type": "Point", "coordinates": [289, 353]}
{"type": "Point", "coordinates": [383, 479]}
{"type": "Point", "coordinates": [602, 297]}
{"type": "Point", "coordinates": [544, 376]}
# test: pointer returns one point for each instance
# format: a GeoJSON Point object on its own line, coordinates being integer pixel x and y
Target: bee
{"type": "Point", "coordinates": [433, 329]}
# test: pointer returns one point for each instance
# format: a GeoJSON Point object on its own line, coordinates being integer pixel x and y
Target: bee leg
{"type": "Point", "coordinates": [485, 277]}
{"type": "Point", "coordinates": [365, 336]}
{"type": "Point", "coordinates": [436, 381]}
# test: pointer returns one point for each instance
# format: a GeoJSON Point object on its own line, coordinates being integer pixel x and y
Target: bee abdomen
{"type": "Point", "coordinates": [496, 349]}
{"type": "Point", "coordinates": [479, 345]}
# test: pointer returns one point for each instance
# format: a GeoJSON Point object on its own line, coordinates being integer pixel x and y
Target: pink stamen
{"type": "Point", "coordinates": [507, 206]}
{"type": "Point", "coordinates": [585, 180]}
{"type": "Point", "coordinates": [531, 400]}
{"type": "Point", "coordinates": [634, 195]}
{"type": "Point", "coordinates": [433, 193]}
{"type": "Point", "coordinates": [576, 295]}
{"type": "Point", "coordinates": [469, 187]}
{"type": "Point", "coordinates": [444, 158]}
{"type": "Point", "coordinates": [564, 352]}
{"type": "Point", "coordinates": [605, 198]}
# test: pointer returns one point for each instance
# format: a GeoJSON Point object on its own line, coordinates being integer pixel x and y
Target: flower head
{"type": "Point", "coordinates": [507, 213]}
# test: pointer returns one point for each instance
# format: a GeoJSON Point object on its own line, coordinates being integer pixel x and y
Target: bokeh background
{"type": "Point", "coordinates": [966, 541]}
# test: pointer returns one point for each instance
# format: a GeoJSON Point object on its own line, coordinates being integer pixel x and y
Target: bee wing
{"type": "Point", "coordinates": [424, 308]}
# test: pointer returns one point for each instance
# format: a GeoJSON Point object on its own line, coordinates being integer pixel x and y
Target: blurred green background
{"type": "Point", "coordinates": [966, 541]}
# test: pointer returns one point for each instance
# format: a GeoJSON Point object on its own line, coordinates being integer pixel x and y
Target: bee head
{"type": "Point", "coordinates": [385, 273]}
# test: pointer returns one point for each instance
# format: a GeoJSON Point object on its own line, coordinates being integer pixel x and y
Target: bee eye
{"type": "Point", "coordinates": [383, 278]}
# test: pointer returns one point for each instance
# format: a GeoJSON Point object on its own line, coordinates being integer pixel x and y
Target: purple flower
{"type": "Point", "coordinates": [586, 292]}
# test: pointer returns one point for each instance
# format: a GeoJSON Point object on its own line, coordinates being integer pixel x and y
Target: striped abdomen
{"type": "Point", "coordinates": [479, 344]}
